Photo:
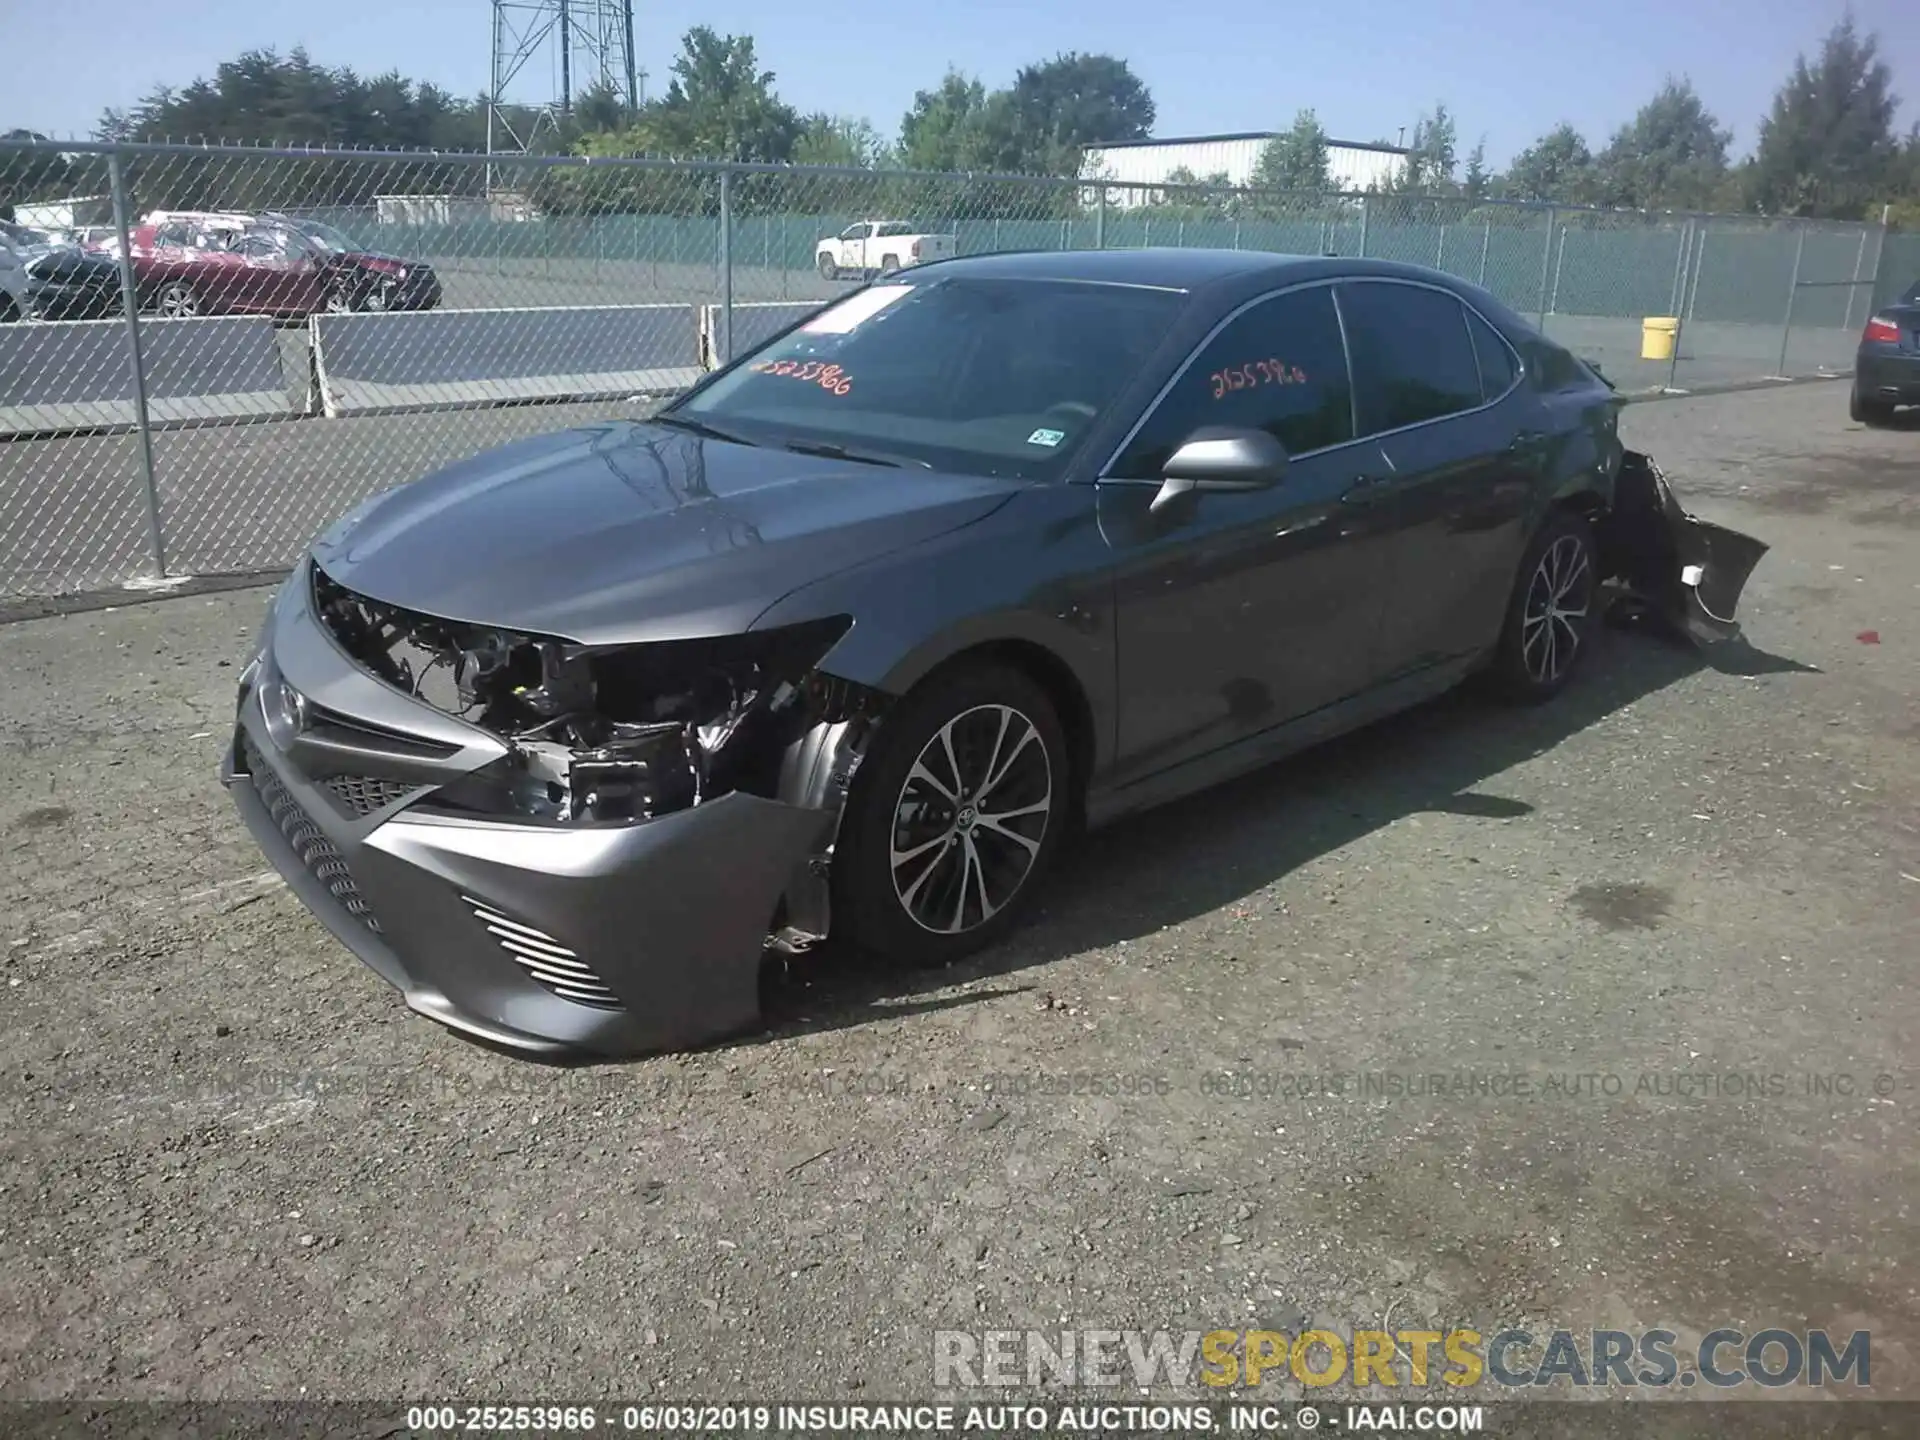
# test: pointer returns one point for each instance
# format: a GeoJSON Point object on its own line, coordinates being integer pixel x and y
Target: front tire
{"type": "Point", "coordinates": [178, 300]}
{"type": "Point", "coordinates": [1868, 412]}
{"type": "Point", "coordinates": [954, 818]}
{"type": "Point", "coordinates": [1550, 617]}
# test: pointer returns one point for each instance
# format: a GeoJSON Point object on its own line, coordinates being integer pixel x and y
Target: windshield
{"type": "Point", "coordinates": [990, 376]}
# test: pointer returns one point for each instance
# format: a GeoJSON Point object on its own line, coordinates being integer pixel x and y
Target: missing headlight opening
{"type": "Point", "coordinates": [615, 734]}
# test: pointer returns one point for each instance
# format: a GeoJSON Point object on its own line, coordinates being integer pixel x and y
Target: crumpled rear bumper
{"type": "Point", "coordinates": [1689, 570]}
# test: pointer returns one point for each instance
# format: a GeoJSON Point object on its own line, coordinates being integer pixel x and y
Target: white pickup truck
{"type": "Point", "coordinates": [882, 245]}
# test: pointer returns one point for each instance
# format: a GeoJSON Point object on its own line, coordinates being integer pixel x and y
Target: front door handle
{"type": "Point", "coordinates": [1365, 490]}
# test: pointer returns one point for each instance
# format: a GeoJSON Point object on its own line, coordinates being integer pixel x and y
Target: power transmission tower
{"type": "Point", "coordinates": [546, 53]}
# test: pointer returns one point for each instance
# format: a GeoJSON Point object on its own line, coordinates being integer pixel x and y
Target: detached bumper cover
{"type": "Point", "coordinates": [546, 939]}
{"type": "Point", "coordinates": [1690, 570]}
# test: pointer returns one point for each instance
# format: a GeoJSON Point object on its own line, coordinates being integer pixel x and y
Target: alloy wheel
{"type": "Point", "coordinates": [1558, 597]}
{"type": "Point", "coordinates": [179, 302]}
{"type": "Point", "coordinates": [970, 819]}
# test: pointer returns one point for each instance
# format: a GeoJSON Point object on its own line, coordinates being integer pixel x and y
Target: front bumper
{"type": "Point", "coordinates": [1888, 375]}
{"type": "Point", "coordinates": [550, 940]}
{"type": "Point", "coordinates": [419, 291]}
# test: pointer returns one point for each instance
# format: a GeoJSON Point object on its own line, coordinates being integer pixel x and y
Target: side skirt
{"type": "Point", "coordinates": [1272, 745]}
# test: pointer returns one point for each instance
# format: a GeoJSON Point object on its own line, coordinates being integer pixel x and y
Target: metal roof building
{"type": "Point", "coordinates": [1352, 165]}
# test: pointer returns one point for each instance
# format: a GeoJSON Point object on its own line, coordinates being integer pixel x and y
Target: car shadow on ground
{"type": "Point", "coordinates": [1908, 419]}
{"type": "Point", "coordinates": [1211, 850]}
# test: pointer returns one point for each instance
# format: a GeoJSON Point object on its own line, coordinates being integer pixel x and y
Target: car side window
{"type": "Point", "coordinates": [1278, 366]}
{"type": "Point", "coordinates": [1498, 366]}
{"type": "Point", "coordinates": [1413, 359]}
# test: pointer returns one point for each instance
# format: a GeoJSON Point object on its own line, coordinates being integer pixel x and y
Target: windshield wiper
{"type": "Point", "coordinates": [701, 428]}
{"type": "Point", "coordinates": [828, 450]}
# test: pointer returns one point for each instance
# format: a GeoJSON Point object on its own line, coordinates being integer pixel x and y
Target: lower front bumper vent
{"type": "Point", "coordinates": [308, 840]}
{"type": "Point", "coordinates": [359, 796]}
{"type": "Point", "coordinates": [545, 959]}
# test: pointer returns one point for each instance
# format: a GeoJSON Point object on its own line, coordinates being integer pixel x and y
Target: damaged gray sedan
{"type": "Point", "coordinates": [854, 635]}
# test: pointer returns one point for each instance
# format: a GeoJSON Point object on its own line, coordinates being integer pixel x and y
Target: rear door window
{"type": "Point", "coordinates": [1499, 367]}
{"type": "Point", "coordinates": [1413, 358]}
{"type": "Point", "coordinates": [1278, 366]}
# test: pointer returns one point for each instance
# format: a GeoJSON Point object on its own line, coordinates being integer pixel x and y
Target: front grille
{"type": "Point", "coordinates": [358, 796]}
{"type": "Point", "coordinates": [309, 842]}
{"type": "Point", "coordinates": [545, 959]}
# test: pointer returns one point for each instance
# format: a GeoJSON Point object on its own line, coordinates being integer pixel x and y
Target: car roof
{"type": "Point", "coordinates": [1171, 268]}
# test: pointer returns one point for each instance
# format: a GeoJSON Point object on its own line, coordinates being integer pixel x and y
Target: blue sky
{"type": "Point", "coordinates": [1510, 69]}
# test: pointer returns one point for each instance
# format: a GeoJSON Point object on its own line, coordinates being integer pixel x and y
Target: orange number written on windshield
{"type": "Point", "coordinates": [827, 377]}
{"type": "Point", "coordinates": [1255, 372]}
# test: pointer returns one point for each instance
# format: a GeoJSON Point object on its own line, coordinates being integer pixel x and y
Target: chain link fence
{"type": "Point", "coordinates": [220, 349]}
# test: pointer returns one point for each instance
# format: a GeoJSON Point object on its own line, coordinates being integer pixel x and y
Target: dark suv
{"type": "Point", "coordinates": [1886, 370]}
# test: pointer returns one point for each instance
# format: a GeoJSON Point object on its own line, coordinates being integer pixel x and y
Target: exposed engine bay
{"type": "Point", "coordinates": [615, 735]}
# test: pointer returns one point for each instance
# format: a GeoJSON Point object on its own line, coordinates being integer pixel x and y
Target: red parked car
{"type": "Point", "coordinates": [225, 264]}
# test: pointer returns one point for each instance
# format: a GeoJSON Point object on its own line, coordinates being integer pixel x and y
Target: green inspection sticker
{"type": "Point", "coordinates": [1049, 438]}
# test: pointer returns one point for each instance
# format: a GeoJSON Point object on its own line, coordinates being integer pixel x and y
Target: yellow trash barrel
{"type": "Point", "coordinates": [1657, 334]}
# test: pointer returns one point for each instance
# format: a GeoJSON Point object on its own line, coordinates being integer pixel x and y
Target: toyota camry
{"type": "Point", "coordinates": [854, 635]}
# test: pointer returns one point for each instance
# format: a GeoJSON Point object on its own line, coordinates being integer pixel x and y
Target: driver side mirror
{"type": "Point", "coordinates": [1221, 457]}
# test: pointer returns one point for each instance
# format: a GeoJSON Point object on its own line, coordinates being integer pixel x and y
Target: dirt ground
{"type": "Point", "coordinates": [235, 1166]}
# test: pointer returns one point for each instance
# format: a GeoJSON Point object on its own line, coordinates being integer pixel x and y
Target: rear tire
{"type": "Point", "coordinates": [828, 270]}
{"type": "Point", "coordinates": [954, 817]}
{"type": "Point", "coordinates": [1868, 412]}
{"type": "Point", "coordinates": [1550, 617]}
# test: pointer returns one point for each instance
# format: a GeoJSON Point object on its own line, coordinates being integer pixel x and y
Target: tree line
{"type": "Point", "coordinates": [1827, 148]}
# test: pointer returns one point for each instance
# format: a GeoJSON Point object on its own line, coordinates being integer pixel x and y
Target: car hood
{"type": "Point", "coordinates": [374, 260]}
{"type": "Point", "coordinates": [628, 532]}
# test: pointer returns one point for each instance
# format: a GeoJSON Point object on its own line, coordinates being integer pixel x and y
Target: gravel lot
{"type": "Point", "coordinates": [236, 1167]}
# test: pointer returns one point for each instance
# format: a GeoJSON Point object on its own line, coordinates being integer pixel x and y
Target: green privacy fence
{"type": "Point", "coordinates": [1900, 269]}
{"type": "Point", "coordinates": [1711, 269]}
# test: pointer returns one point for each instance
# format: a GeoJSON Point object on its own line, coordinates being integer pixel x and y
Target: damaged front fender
{"type": "Point", "coordinates": [1688, 570]}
